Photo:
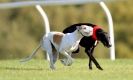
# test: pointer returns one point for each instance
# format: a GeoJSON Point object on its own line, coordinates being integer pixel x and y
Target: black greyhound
{"type": "Point", "coordinates": [89, 43]}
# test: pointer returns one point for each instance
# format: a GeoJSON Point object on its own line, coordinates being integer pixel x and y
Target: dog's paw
{"type": "Point", "coordinates": [66, 62]}
{"type": "Point", "coordinates": [52, 67]}
{"type": "Point", "coordinates": [63, 61]}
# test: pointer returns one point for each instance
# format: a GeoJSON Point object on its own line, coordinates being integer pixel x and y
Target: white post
{"type": "Point", "coordinates": [46, 21]}
{"type": "Point", "coordinates": [110, 22]}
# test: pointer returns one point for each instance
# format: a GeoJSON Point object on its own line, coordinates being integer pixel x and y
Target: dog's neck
{"type": "Point", "coordinates": [81, 33]}
{"type": "Point", "coordinates": [71, 41]}
{"type": "Point", "coordinates": [94, 36]}
{"type": "Point", "coordinates": [78, 34]}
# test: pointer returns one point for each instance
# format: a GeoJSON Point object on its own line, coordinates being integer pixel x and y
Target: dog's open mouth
{"type": "Point", "coordinates": [88, 33]}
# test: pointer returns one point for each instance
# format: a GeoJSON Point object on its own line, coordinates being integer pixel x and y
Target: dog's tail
{"type": "Point", "coordinates": [30, 57]}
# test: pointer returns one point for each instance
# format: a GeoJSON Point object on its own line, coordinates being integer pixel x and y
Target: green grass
{"type": "Point", "coordinates": [121, 69]}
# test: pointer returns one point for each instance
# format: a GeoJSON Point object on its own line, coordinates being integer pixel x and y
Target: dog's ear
{"type": "Point", "coordinates": [78, 27]}
{"type": "Point", "coordinates": [99, 31]}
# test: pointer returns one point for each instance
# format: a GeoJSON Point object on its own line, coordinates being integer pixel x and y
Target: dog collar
{"type": "Point", "coordinates": [81, 33]}
{"type": "Point", "coordinates": [95, 28]}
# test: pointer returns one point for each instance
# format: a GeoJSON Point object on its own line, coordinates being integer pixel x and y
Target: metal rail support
{"type": "Point", "coordinates": [45, 20]}
{"type": "Point", "coordinates": [111, 30]}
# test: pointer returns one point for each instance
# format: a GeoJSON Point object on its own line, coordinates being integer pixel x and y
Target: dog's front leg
{"type": "Point", "coordinates": [76, 51]}
{"type": "Point", "coordinates": [68, 61]}
{"type": "Point", "coordinates": [90, 54]}
{"type": "Point", "coordinates": [90, 61]}
{"type": "Point", "coordinates": [88, 51]}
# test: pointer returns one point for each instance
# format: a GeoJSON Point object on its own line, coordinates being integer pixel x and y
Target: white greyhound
{"type": "Point", "coordinates": [57, 42]}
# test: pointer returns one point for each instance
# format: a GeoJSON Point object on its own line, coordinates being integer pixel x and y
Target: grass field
{"type": "Point", "coordinates": [121, 69]}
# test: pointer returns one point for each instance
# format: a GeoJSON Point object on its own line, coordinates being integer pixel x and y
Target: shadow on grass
{"type": "Point", "coordinates": [16, 68]}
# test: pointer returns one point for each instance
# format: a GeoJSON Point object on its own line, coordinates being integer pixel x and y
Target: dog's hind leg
{"type": "Point", "coordinates": [55, 56]}
{"type": "Point", "coordinates": [51, 60]}
{"type": "Point", "coordinates": [46, 45]}
{"type": "Point", "coordinates": [55, 53]}
{"type": "Point", "coordinates": [52, 66]}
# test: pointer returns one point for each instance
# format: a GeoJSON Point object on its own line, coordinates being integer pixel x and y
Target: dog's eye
{"type": "Point", "coordinates": [84, 27]}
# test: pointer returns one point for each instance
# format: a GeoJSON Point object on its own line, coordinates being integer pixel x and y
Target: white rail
{"type": "Point", "coordinates": [111, 29]}
{"type": "Point", "coordinates": [46, 3]}
{"type": "Point", "coordinates": [46, 22]}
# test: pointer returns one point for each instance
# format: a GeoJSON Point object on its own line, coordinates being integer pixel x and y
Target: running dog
{"type": "Point", "coordinates": [89, 43]}
{"type": "Point", "coordinates": [57, 42]}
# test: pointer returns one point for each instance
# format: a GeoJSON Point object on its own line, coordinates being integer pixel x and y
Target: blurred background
{"type": "Point", "coordinates": [21, 29]}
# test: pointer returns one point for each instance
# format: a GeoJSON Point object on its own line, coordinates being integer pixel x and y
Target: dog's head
{"type": "Point", "coordinates": [104, 38]}
{"type": "Point", "coordinates": [85, 30]}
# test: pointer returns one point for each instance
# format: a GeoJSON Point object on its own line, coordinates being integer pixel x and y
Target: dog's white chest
{"type": "Point", "coordinates": [70, 44]}
{"type": "Point", "coordinates": [74, 46]}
